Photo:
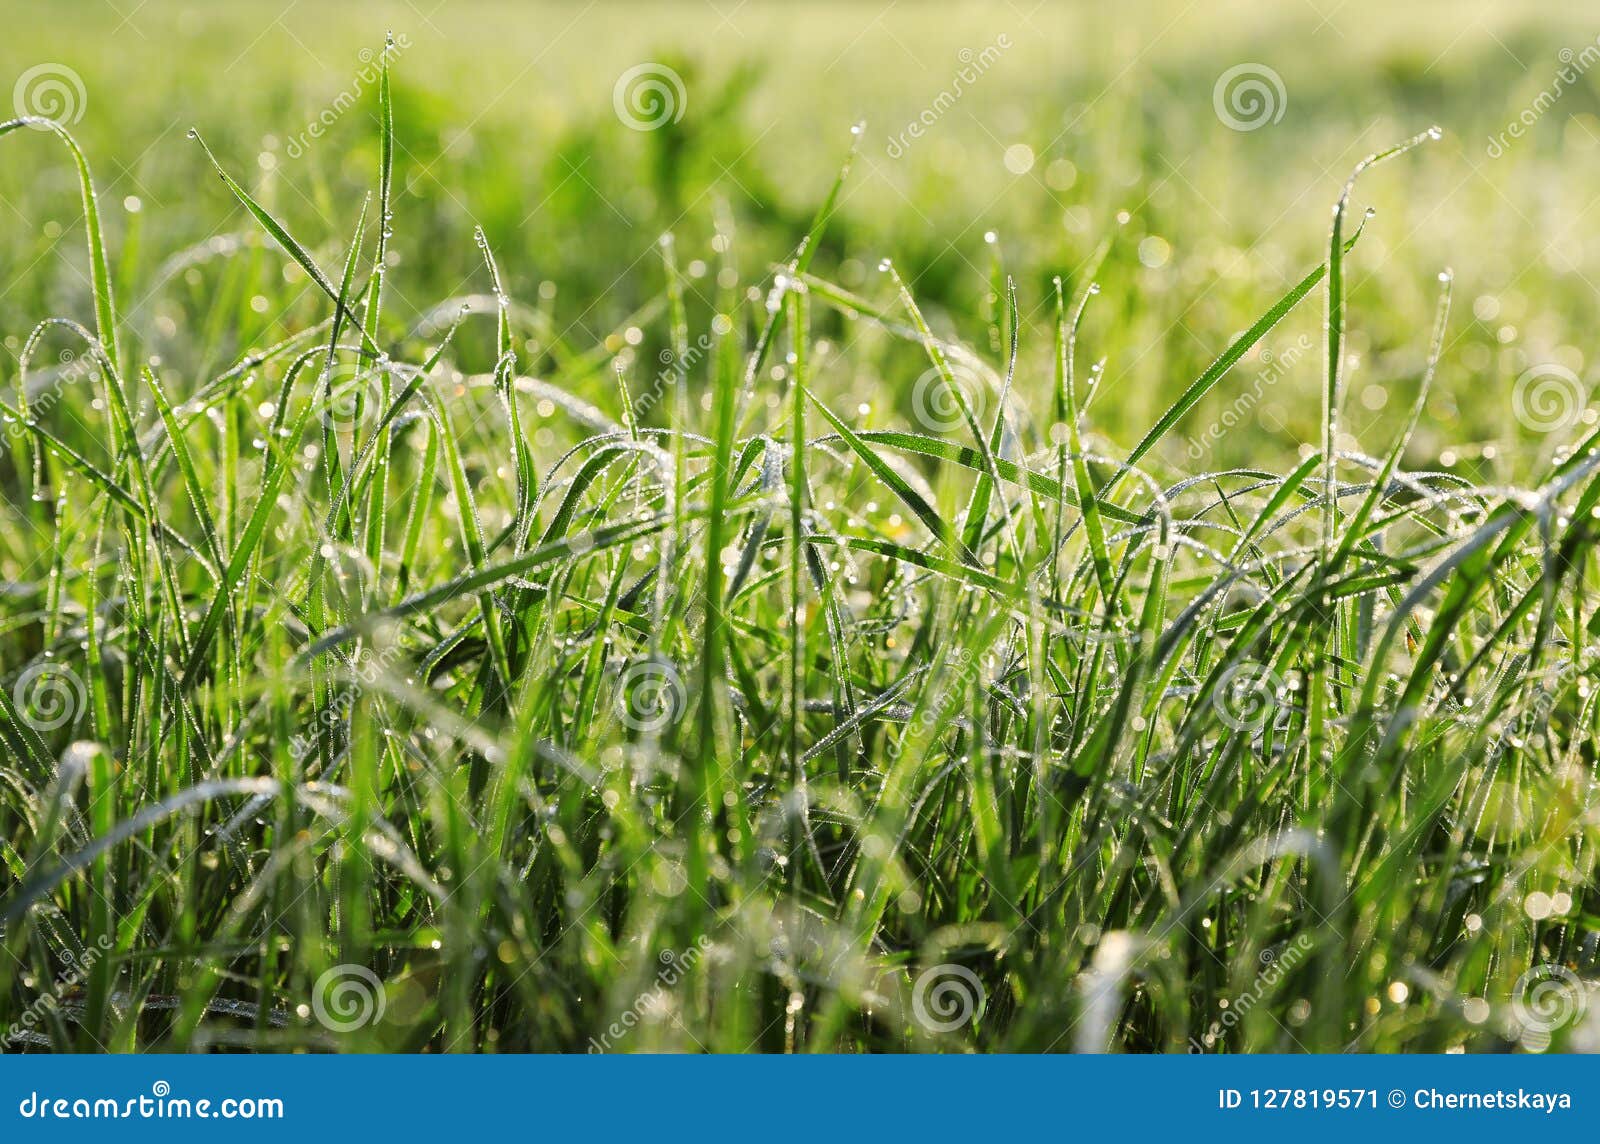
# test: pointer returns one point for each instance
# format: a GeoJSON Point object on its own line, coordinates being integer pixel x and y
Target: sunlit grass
{"type": "Point", "coordinates": [448, 685]}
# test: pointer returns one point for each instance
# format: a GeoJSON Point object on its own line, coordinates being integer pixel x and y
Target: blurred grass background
{"type": "Point", "coordinates": [1096, 119]}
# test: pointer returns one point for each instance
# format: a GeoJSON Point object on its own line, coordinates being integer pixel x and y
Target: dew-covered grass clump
{"type": "Point", "coordinates": [819, 656]}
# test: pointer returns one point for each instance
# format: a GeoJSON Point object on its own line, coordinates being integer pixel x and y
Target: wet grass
{"type": "Point", "coordinates": [438, 683]}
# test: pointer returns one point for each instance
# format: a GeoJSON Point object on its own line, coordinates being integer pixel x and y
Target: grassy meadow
{"type": "Point", "coordinates": [804, 527]}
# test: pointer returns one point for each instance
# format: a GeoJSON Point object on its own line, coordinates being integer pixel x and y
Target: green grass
{"type": "Point", "coordinates": [773, 649]}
